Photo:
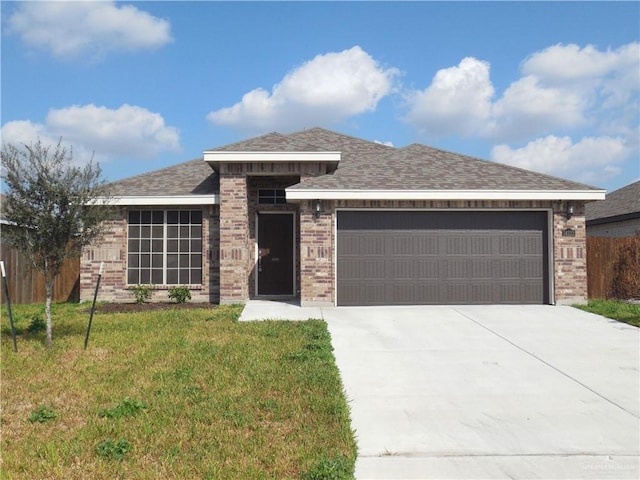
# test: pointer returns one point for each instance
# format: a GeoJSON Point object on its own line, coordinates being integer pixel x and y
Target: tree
{"type": "Point", "coordinates": [55, 207]}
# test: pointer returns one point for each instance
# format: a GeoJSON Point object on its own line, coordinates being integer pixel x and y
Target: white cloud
{"type": "Point", "coordinates": [324, 90]}
{"type": "Point", "coordinates": [457, 100]}
{"type": "Point", "coordinates": [563, 87]}
{"type": "Point", "coordinates": [591, 160]}
{"type": "Point", "coordinates": [75, 29]}
{"type": "Point", "coordinates": [528, 108]}
{"type": "Point", "coordinates": [562, 63]}
{"type": "Point", "coordinates": [128, 131]}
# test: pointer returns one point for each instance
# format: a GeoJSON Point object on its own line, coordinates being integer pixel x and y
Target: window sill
{"type": "Point", "coordinates": [166, 287]}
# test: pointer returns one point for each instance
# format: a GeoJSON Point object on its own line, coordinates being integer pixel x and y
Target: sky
{"type": "Point", "coordinates": [547, 86]}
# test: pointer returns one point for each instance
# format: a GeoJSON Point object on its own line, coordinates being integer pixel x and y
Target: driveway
{"type": "Point", "coordinates": [489, 391]}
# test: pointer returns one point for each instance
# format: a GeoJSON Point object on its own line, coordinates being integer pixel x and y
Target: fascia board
{"type": "Point", "coordinates": [325, 194]}
{"type": "Point", "coordinates": [269, 157]}
{"type": "Point", "coordinates": [135, 200]}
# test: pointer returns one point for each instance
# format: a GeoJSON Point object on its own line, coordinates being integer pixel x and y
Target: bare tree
{"type": "Point", "coordinates": [56, 208]}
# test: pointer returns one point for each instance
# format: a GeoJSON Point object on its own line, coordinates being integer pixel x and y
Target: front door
{"type": "Point", "coordinates": [275, 254]}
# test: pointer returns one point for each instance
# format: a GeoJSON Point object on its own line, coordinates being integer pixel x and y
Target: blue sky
{"type": "Point", "coordinates": [548, 86]}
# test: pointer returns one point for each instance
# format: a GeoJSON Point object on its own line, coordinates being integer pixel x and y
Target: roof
{"type": "Point", "coordinates": [365, 169]}
{"type": "Point", "coordinates": [193, 181]}
{"type": "Point", "coordinates": [620, 204]}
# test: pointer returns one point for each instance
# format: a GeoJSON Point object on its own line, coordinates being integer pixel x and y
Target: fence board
{"type": "Point", "coordinates": [602, 253]}
{"type": "Point", "coordinates": [27, 285]}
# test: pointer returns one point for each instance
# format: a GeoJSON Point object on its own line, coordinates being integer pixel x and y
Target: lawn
{"type": "Point", "coordinates": [621, 311]}
{"type": "Point", "coordinates": [178, 393]}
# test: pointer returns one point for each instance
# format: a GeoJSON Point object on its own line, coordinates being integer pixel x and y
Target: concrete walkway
{"type": "Point", "coordinates": [487, 391]}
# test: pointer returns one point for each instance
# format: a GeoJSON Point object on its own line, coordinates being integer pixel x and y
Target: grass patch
{"type": "Point", "coordinates": [621, 311]}
{"type": "Point", "coordinates": [177, 393]}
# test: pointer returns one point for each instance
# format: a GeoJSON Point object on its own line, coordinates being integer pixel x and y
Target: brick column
{"type": "Point", "coordinates": [234, 237]}
{"type": "Point", "coordinates": [570, 253]}
{"type": "Point", "coordinates": [316, 255]}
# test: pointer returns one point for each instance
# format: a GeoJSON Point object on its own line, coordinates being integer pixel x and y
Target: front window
{"type": "Point", "coordinates": [270, 196]}
{"type": "Point", "coordinates": [164, 247]}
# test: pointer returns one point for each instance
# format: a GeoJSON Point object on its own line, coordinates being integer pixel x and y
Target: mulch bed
{"type": "Point", "coordinates": [147, 307]}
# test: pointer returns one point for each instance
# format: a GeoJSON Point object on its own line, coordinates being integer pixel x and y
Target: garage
{"type": "Point", "coordinates": [442, 257]}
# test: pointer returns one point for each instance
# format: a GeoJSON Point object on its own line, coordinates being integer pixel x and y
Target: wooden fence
{"type": "Point", "coordinates": [27, 285]}
{"type": "Point", "coordinates": [602, 254]}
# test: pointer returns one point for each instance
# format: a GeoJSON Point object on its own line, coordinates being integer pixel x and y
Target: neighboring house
{"type": "Point", "coordinates": [336, 220]}
{"type": "Point", "coordinates": [617, 216]}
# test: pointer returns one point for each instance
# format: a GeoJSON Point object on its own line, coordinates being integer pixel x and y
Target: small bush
{"type": "Point", "coordinates": [179, 294]}
{"type": "Point", "coordinates": [43, 414]}
{"type": "Point", "coordinates": [37, 325]}
{"type": "Point", "coordinates": [111, 448]}
{"type": "Point", "coordinates": [142, 293]}
{"type": "Point", "coordinates": [626, 280]}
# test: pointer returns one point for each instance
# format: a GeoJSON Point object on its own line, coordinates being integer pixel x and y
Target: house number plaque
{"type": "Point", "coordinates": [568, 232]}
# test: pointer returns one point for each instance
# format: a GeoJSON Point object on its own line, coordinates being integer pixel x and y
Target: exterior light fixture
{"type": "Point", "coordinates": [569, 211]}
{"type": "Point", "coordinates": [316, 211]}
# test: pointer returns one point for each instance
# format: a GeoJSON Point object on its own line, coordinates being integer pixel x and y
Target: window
{"type": "Point", "coordinates": [164, 247]}
{"type": "Point", "coordinates": [268, 196]}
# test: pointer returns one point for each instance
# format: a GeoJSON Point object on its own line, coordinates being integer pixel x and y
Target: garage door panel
{"type": "Point", "coordinates": [442, 257]}
{"type": "Point", "coordinates": [406, 293]}
{"type": "Point", "coordinates": [413, 244]}
{"type": "Point", "coordinates": [363, 269]}
{"type": "Point", "coordinates": [363, 294]}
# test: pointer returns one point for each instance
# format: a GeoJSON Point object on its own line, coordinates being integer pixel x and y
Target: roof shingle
{"type": "Point", "coordinates": [623, 201]}
{"type": "Point", "coordinates": [364, 165]}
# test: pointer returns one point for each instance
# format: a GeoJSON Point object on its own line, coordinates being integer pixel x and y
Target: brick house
{"type": "Point", "coordinates": [330, 219]}
{"type": "Point", "coordinates": [617, 216]}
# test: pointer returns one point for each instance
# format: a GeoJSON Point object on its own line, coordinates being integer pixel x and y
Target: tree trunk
{"type": "Point", "coordinates": [48, 286]}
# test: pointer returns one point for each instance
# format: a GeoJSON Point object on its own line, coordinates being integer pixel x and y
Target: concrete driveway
{"type": "Point", "coordinates": [489, 391]}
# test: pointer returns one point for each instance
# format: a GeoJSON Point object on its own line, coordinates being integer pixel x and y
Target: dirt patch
{"type": "Point", "coordinates": [148, 307]}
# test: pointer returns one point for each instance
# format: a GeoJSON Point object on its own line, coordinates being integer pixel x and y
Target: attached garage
{"type": "Point", "coordinates": [442, 257]}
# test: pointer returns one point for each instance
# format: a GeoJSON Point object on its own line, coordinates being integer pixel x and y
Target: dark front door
{"type": "Point", "coordinates": [275, 254]}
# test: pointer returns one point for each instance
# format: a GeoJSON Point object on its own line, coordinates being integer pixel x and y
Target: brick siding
{"type": "Point", "coordinates": [112, 250]}
{"type": "Point", "coordinates": [624, 228]}
{"type": "Point", "coordinates": [228, 270]}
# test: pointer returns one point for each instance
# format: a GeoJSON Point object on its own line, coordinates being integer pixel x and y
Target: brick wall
{"type": "Point", "coordinates": [235, 258]}
{"type": "Point", "coordinates": [239, 185]}
{"type": "Point", "coordinates": [624, 228]}
{"type": "Point", "coordinates": [112, 250]}
{"type": "Point", "coordinates": [316, 254]}
{"type": "Point", "coordinates": [570, 254]}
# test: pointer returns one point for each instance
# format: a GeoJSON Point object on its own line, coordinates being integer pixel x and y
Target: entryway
{"type": "Point", "coordinates": [276, 263]}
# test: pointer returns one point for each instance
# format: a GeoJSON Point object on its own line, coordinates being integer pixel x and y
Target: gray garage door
{"type": "Point", "coordinates": [453, 257]}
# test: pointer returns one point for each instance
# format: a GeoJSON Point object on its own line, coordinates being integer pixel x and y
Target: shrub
{"type": "Point", "coordinates": [179, 294]}
{"type": "Point", "coordinates": [626, 280]}
{"type": "Point", "coordinates": [37, 325]}
{"type": "Point", "coordinates": [142, 293]}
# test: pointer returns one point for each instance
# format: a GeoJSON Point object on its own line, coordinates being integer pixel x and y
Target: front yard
{"type": "Point", "coordinates": [178, 393]}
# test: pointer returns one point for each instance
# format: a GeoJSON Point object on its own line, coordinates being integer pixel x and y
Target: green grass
{"type": "Point", "coordinates": [621, 311]}
{"type": "Point", "coordinates": [172, 394]}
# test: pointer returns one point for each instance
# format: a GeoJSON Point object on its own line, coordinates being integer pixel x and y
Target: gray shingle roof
{"type": "Point", "coordinates": [418, 167]}
{"type": "Point", "coordinates": [624, 201]}
{"type": "Point", "coordinates": [271, 142]}
{"type": "Point", "coordinates": [194, 177]}
{"type": "Point", "coordinates": [364, 165]}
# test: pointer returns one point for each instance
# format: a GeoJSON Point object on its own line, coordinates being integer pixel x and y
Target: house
{"type": "Point", "coordinates": [335, 220]}
{"type": "Point", "coordinates": [617, 216]}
